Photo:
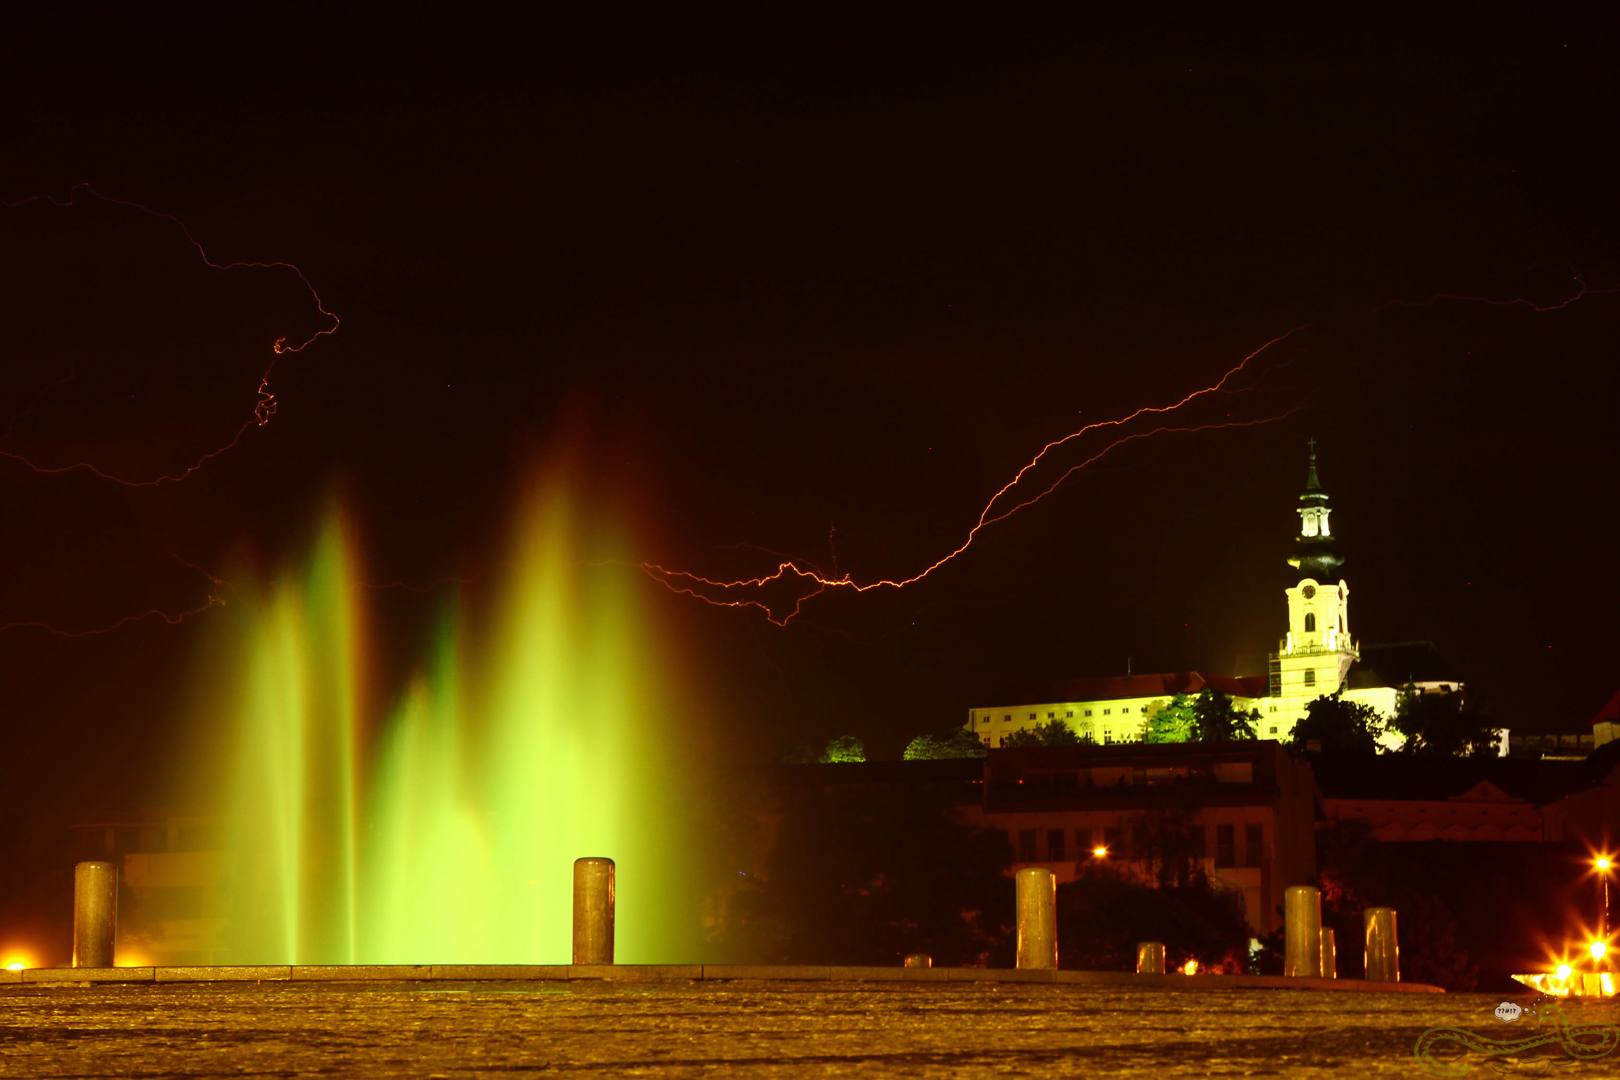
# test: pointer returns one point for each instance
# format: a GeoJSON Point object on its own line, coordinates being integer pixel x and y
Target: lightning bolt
{"type": "Point", "coordinates": [264, 406]}
{"type": "Point", "coordinates": [172, 619]}
{"type": "Point", "coordinates": [1585, 290]}
{"type": "Point", "coordinates": [790, 568]}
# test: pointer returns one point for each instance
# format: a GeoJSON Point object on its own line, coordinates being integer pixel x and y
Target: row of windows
{"type": "Point", "coordinates": [1007, 717]}
{"type": "Point", "coordinates": [1101, 843]}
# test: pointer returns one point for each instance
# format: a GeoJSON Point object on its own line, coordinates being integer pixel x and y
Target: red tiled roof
{"type": "Point", "coordinates": [1610, 713]}
{"type": "Point", "coordinates": [1128, 686]}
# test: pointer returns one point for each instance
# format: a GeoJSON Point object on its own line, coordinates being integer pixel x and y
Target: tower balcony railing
{"type": "Point", "coordinates": [1346, 645]}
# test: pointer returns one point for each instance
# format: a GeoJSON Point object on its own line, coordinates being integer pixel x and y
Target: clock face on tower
{"type": "Point", "coordinates": [1309, 592]}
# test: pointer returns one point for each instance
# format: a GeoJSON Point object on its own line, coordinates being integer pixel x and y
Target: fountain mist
{"type": "Point", "coordinates": [442, 826]}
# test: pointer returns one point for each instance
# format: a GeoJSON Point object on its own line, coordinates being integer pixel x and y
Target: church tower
{"type": "Point", "coordinates": [1314, 657]}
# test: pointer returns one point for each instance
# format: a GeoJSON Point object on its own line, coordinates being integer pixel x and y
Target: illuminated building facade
{"type": "Point", "coordinates": [1109, 710]}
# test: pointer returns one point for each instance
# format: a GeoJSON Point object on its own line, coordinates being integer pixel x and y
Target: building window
{"type": "Point", "coordinates": [1026, 845]}
{"type": "Point", "coordinates": [1051, 716]}
{"type": "Point", "coordinates": [1082, 842]}
{"type": "Point", "coordinates": [1310, 676]}
{"type": "Point", "coordinates": [1310, 622]}
{"type": "Point", "coordinates": [1032, 716]}
{"type": "Point", "coordinates": [1107, 711]}
{"type": "Point", "coordinates": [1007, 719]}
{"type": "Point", "coordinates": [985, 719]}
{"type": "Point", "coordinates": [1088, 712]}
{"type": "Point", "coordinates": [1111, 840]}
{"type": "Point", "coordinates": [1254, 844]}
{"type": "Point", "coordinates": [1054, 845]}
{"type": "Point", "coordinates": [1225, 845]}
{"type": "Point", "coordinates": [1274, 708]}
{"type": "Point", "coordinates": [1274, 726]}
{"type": "Point", "coordinates": [1070, 713]}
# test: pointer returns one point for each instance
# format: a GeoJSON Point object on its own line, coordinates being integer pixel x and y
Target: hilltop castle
{"type": "Point", "coordinates": [1316, 656]}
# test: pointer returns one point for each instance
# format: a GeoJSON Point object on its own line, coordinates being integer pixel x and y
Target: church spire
{"type": "Point", "coordinates": [1314, 556]}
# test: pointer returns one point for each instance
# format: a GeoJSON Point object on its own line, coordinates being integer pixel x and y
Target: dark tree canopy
{"type": "Point", "coordinates": [960, 743]}
{"type": "Point", "coordinates": [1105, 911]}
{"type": "Point", "coordinates": [1216, 719]}
{"type": "Point", "coordinates": [1445, 724]}
{"type": "Point", "coordinates": [1333, 723]}
{"type": "Point", "coordinates": [1051, 733]}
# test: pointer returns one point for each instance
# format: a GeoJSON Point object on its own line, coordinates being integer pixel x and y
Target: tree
{"type": "Point", "coordinates": [1173, 723]}
{"type": "Point", "coordinates": [844, 748]}
{"type": "Point", "coordinates": [1336, 724]}
{"type": "Point", "coordinates": [802, 754]}
{"type": "Point", "coordinates": [1216, 719]}
{"type": "Point", "coordinates": [960, 743]}
{"type": "Point", "coordinates": [1104, 912]}
{"type": "Point", "coordinates": [1447, 724]}
{"type": "Point", "coordinates": [1051, 733]}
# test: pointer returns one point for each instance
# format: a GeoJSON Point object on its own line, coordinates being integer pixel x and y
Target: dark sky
{"type": "Point", "coordinates": [821, 272]}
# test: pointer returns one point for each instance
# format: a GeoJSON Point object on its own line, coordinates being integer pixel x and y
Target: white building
{"type": "Point", "coordinates": [1315, 657]}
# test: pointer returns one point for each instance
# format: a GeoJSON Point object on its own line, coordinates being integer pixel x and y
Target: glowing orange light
{"type": "Point", "coordinates": [683, 582]}
{"type": "Point", "coordinates": [1100, 852]}
{"type": "Point", "coordinates": [1190, 968]}
{"type": "Point", "coordinates": [17, 960]}
{"type": "Point", "coordinates": [1602, 862]}
{"type": "Point", "coordinates": [1564, 971]}
{"type": "Point", "coordinates": [1597, 949]}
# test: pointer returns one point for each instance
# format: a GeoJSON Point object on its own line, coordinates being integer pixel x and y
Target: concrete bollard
{"type": "Point", "coordinates": [919, 960]}
{"type": "Point", "coordinates": [1330, 955]}
{"type": "Point", "coordinates": [593, 911]}
{"type": "Point", "coordinates": [95, 914]}
{"type": "Point", "coordinates": [1302, 926]}
{"type": "Point", "coordinates": [1383, 948]}
{"type": "Point", "coordinates": [1037, 917]}
{"type": "Point", "coordinates": [1149, 958]}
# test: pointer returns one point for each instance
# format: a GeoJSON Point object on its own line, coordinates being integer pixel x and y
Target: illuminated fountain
{"type": "Point", "coordinates": [439, 823]}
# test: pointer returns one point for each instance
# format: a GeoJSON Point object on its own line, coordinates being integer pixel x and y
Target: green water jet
{"type": "Point", "coordinates": [441, 827]}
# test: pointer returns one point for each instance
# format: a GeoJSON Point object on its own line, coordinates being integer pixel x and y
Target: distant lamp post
{"type": "Point", "coordinates": [1597, 949]}
{"type": "Point", "coordinates": [1099, 853]}
{"type": "Point", "coordinates": [1603, 864]}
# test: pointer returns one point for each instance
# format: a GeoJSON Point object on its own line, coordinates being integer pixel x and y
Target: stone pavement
{"type": "Point", "coordinates": [746, 1028]}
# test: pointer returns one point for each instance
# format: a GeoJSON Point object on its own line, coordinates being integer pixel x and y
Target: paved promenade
{"type": "Point", "coordinates": [748, 1028]}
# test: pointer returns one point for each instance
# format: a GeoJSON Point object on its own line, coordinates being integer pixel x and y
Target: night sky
{"type": "Point", "coordinates": [817, 284]}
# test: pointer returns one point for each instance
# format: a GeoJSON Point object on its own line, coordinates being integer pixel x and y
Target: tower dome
{"type": "Point", "coordinates": [1315, 555]}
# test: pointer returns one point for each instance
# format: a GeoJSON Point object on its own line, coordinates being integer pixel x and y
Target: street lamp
{"type": "Point", "coordinates": [1099, 853]}
{"type": "Point", "coordinates": [1603, 864]}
